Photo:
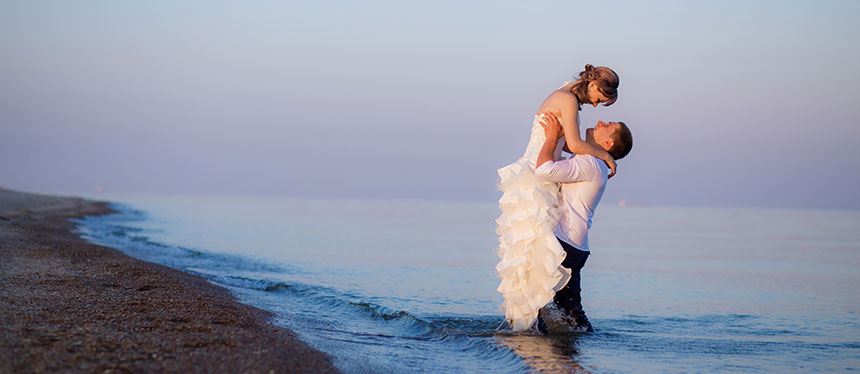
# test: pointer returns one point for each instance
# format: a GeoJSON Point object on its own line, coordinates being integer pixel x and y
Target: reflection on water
{"type": "Point", "coordinates": [553, 353]}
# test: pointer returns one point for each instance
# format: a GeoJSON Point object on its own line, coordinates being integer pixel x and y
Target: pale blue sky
{"type": "Point", "coordinates": [731, 103]}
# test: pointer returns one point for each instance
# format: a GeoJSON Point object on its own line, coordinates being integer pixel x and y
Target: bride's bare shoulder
{"type": "Point", "coordinates": [561, 92]}
{"type": "Point", "coordinates": [555, 100]}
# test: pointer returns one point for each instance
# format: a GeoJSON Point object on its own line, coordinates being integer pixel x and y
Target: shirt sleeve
{"type": "Point", "coordinates": [574, 169]}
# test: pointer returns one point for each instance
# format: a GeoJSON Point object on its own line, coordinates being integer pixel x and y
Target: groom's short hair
{"type": "Point", "coordinates": [623, 140]}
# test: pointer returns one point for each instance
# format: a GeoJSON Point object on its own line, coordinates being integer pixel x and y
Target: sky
{"type": "Point", "coordinates": [731, 103]}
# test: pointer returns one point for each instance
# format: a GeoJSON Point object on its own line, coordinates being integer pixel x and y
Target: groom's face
{"type": "Point", "coordinates": [605, 131]}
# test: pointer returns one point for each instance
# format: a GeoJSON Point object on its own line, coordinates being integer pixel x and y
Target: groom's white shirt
{"type": "Point", "coordinates": [583, 180]}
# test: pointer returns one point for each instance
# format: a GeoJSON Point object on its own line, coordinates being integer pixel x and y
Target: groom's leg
{"type": "Point", "coordinates": [569, 298]}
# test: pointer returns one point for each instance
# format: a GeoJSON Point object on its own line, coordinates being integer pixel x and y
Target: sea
{"type": "Point", "coordinates": [397, 286]}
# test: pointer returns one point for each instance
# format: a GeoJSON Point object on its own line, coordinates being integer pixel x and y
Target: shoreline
{"type": "Point", "coordinates": [69, 305]}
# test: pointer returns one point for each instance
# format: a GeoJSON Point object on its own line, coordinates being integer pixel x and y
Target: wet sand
{"type": "Point", "coordinates": [68, 305]}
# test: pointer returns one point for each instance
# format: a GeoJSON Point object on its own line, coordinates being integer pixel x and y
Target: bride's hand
{"type": "Point", "coordinates": [611, 164]}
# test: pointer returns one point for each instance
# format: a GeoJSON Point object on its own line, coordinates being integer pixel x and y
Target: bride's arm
{"type": "Point", "coordinates": [575, 144]}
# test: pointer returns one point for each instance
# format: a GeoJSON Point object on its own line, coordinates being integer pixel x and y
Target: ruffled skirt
{"type": "Point", "coordinates": [531, 256]}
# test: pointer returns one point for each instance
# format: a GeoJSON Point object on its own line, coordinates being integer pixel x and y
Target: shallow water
{"type": "Point", "coordinates": [406, 286]}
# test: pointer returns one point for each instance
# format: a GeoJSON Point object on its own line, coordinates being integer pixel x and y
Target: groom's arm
{"type": "Point", "coordinates": [552, 132]}
{"type": "Point", "coordinates": [575, 169]}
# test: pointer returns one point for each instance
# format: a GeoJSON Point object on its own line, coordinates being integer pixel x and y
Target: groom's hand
{"type": "Point", "coordinates": [551, 127]}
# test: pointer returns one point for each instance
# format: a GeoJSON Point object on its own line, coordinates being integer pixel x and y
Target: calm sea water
{"type": "Point", "coordinates": [407, 286]}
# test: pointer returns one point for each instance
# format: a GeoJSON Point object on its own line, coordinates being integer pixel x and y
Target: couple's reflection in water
{"type": "Point", "coordinates": [551, 353]}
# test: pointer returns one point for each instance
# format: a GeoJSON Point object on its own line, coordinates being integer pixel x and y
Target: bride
{"type": "Point", "coordinates": [531, 256]}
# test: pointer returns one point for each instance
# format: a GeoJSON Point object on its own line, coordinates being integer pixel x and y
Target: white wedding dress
{"type": "Point", "coordinates": [531, 256]}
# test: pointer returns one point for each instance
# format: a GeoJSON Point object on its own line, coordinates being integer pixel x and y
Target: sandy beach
{"type": "Point", "coordinates": [68, 305]}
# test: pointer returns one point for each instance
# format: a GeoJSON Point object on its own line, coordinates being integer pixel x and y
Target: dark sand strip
{"type": "Point", "coordinates": [67, 305]}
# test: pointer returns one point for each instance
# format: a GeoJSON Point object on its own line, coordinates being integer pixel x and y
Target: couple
{"type": "Point", "coordinates": [548, 202]}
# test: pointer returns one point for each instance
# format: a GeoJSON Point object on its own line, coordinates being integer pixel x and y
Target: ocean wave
{"type": "Point", "coordinates": [329, 316]}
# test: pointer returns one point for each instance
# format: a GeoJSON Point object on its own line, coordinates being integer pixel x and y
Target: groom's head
{"type": "Point", "coordinates": [614, 137]}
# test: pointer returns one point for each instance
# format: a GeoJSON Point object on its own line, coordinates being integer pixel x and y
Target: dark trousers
{"type": "Point", "coordinates": [568, 298]}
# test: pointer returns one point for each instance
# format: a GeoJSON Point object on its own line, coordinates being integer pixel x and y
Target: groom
{"type": "Point", "coordinates": [582, 181]}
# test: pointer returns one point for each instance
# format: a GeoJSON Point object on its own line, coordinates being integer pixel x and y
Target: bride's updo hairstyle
{"type": "Point", "coordinates": [602, 76]}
